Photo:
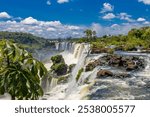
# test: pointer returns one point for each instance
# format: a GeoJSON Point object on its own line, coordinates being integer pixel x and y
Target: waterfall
{"type": "Point", "coordinates": [72, 87]}
{"type": "Point", "coordinates": [146, 71]}
{"type": "Point", "coordinates": [6, 96]}
{"type": "Point", "coordinates": [72, 57]}
{"type": "Point", "coordinates": [148, 63]}
{"type": "Point", "coordinates": [63, 46]}
{"type": "Point", "coordinates": [54, 82]}
{"type": "Point", "coordinates": [57, 44]}
{"type": "Point", "coordinates": [70, 90]}
{"type": "Point", "coordinates": [78, 50]}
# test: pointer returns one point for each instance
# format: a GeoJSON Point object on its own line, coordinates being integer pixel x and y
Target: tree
{"type": "Point", "coordinates": [90, 34]}
{"type": "Point", "coordinates": [20, 73]}
{"type": "Point", "coordinates": [94, 34]}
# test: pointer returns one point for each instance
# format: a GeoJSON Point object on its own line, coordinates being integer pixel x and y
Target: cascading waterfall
{"type": "Point", "coordinates": [72, 90]}
{"type": "Point", "coordinates": [54, 82]}
{"type": "Point", "coordinates": [68, 90]}
{"type": "Point", "coordinates": [147, 68]}
{"type": "Point", "coordinates": [57, 44]}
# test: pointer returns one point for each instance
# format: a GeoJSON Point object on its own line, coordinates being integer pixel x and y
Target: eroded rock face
{"type": "Point", "coordinates": [126, 63]}
{"type": "Point", "coordinates": [104, 73]}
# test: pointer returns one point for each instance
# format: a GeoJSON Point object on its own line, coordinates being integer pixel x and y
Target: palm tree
{"type": "Point", "coordinates": [94, 34]}
{"type": "Point", "coordinates": [90, 34]}
{"type": "Point", "coordinates": [20, 73]}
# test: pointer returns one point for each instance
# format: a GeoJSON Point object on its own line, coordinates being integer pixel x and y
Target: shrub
{"type": "Point", "coordinates": [60, 69]}
{"type": "Point", "coordinates": [57, 59]}
{"type": "Point", "coordinates": [79, 74]}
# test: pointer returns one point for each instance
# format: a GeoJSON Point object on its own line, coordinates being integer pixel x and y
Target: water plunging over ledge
{"type": "Point", "coordinates": [134, 87]}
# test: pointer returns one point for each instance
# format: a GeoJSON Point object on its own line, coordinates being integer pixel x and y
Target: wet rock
{"type": "Point", "coordinates": [92, 65]}
{"type": "Point", "coordinates": [104, 73]}
{"type": "Point", "coordinates": [131, 67]}
{"type": "Point", "coordinates": [128, 63]}
{"type": "Point", "coordinates": [122, 75]}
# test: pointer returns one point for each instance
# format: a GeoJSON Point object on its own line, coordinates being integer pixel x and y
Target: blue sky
{"type": "Point", "coordinates": [65, 18]}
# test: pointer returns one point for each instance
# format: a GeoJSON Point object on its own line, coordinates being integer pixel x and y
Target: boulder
{"type": "Point", "coordinates": [90, 66]}
{"type": "Point", "coordinates": [131, 67]}
{"type": "Point", "coordinates": [104, 73]}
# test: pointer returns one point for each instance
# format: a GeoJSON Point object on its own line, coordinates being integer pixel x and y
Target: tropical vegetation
{"type": "Point", "coordinates": [20, 73]}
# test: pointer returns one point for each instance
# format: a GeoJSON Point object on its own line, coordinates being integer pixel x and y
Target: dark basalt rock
{"type": "Point", "coordinates": [104, 73]}
{"type": "Point", "coordinates": [125, 62]}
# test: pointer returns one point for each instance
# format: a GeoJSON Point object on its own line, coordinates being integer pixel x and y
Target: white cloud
{"type": "Point", "coordinates": [62, 1]}
{"type": "Point", "coordinates": [115, 29]}
{"type": "Point", "coordinates": [29, 20]}
{"type": "Point", "coordinates": [50, 23]}
{"type": "Point", "coordinates": [109, 16]}
{"type": "Point", "coordinates": [4, 15]}
{"type": "Point", "coordinates": [56, 29]}
{"type": "Point", "coordinates": [107, 7]}
{"type": "Point", "coordinates": [48, 2]}
{"type": "Point", "coordinates": [125, 16]}
{"type": "Point", "coordinates": [47, 29]}
{"type": "Point", "coordinates": [145, 1]}
{"type": "Point", "coordinates": [141, 19]}
{"type": "Point", "coordinates": [51, 29]}
{"type": "Point", "coordinates": [73, 27]}
{"type": "Point", "coordinates": [146, 22]}
{"type": "Point", "coordinates": [97, 27]}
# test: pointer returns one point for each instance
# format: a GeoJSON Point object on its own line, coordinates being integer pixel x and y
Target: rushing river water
{"type": "Point", "coordinates": [135, 87]}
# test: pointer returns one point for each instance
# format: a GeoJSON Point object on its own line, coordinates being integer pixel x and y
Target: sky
{"type": "Point", "coordinates": [69, 18]}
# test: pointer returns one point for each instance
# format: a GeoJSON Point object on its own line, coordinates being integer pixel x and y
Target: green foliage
{"type": "Point", "coordinates": [79, 74]}
{"type": "Point", "coordinates": [60, 68]}
{"type": "Point", "coordinates": [90, 35]}
{"type": "Point", "coordinates": [135, 38]}
{"type": "Point", "coordinates": [57, 59]}
{"type": "Point", "coordinates": [20, 73]}
{"type": "Point", "coordinates": [28, 41]}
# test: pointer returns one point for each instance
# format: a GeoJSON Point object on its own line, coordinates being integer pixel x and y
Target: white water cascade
{"type": "Point", "coordinates": [134, 87]}
{"type": "Point", "coordinates": [54, 82]}
{"type": "Point", "coordinates": [70, 90]}
{"type": "Point", "coordinates": [73, 89]}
